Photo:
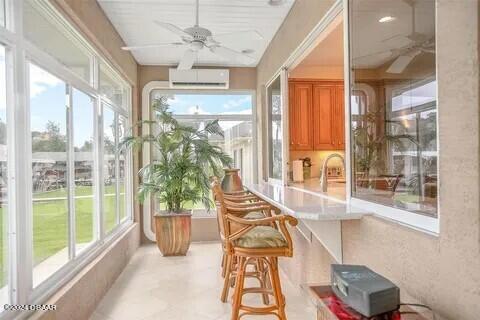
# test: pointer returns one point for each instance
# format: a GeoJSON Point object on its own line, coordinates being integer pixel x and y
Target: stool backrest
{"type": "Point", "coordinates": [221, 209]}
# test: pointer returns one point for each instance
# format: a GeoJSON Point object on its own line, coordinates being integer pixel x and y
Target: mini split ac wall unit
{"type": "Point", "coordinates": [199, 78]}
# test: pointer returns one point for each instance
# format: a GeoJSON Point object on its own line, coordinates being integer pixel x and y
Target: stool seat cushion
{"type": "Point", "coordinates": [261, 237]}
{"type": "Point", "coordinates": [254, 215]}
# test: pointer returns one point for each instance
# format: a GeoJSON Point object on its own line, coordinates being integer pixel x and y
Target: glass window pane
{"type": "Point", "coordinates": [275, 135]}
{"type": "Point", "coordinates": [111, 87]}
{"type": "Point", "coordinates": [46, 33]}
{"type": "Point", "coordinates": [237, 142]}
{"type": "Point", "coordinates": [4, 248]}
{"type": "Point", "coordinates": [394, 104]}
{"type": "Point", "coordinates": [202, 104]}
{"type": "Point", "coordinates": [196, 110]}
{"type": "Point", "coordinates": [122, 205]}
{"type": "Point", "coordinates": [109, 170]}
{"type": "Point", "coordinates": [83, 144]}
{"type": "Point", "coordinates": [49, 166]}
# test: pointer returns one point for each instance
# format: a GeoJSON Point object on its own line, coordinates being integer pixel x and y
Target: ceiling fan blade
{"type": "Point", "coordinates": [402, 62]}
{"type": "Point", "coordinates": [173, 28]}
{"type": "Point", "coordinates": [380, 54]}
{"type": "Point", "coordinates": [187, 60]}
{"type": "Point", "coordinates": [232, 55]}
{"type": "Point", "coordinates": [242, 37]}
{"type": "Point", "coordinates": [153, 46]}
{"type": "Point", "coordinates": [398, 41]}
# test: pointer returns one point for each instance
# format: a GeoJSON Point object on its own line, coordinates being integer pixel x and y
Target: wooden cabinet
{"type": "Point", "coordinates": [339, 118]}
{"type": "Point", "coordinates": [316, 115]}
{"type": "Point", "coordinates": [300, 95]}
{"type": "Point", "coordinates": [322, 117]}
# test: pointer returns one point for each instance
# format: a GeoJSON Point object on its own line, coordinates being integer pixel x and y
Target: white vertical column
{"type": "Point", "coordinates": [70, 173]}
{"type": "Point", "coordinates": [117, 170]}
{"type": "Point", "coordinates": [347, 91]}
{"type": "Point", "coordinates": [285, 125]}
{"type": "Point", "coordinates": [21, 166]}
{"type": "Point", "coordinates": [99, 155]}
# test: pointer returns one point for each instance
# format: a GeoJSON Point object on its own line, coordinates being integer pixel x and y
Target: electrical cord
{"type": "Point", "coordinates": [417, 305]}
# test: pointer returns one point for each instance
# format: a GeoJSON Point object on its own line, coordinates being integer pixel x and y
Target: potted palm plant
{"type": "Point", "coordinates": [179, 177]}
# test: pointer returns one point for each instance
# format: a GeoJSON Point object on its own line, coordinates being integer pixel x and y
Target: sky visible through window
{"type": "Point", "coordinates": [45, 90]}
{"type": "Point", "coordinates": [213, 104]}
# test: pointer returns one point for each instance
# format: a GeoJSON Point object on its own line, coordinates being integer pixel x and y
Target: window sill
{"type": "Point", "coordinates": [412, 220]}
{"type": "Point", "coordinates": [48, 287]}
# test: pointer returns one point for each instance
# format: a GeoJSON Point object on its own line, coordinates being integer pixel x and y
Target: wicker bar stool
{"type": "Point", "coordinates": [243, 199]}
{"type": "Point", "coordinates": [259, 241]}
{"type": "Point", "coordinates": [257, 209]}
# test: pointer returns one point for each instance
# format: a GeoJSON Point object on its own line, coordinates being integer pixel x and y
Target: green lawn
{"type": "Point", "coordinates": [50, 218]}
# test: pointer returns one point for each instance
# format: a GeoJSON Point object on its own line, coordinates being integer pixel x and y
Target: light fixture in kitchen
{"type": "Point", "coordinates": [386, 19]}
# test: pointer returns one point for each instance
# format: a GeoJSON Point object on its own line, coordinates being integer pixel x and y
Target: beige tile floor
{"type": "Point", "coordinates": [153, 287]}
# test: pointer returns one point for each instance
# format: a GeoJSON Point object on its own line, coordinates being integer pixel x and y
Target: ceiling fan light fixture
{"type": "Point", "coordinates": [386, 19]}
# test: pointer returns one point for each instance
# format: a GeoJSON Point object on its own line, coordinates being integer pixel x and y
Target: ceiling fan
{"type": "Point", "coordinates": [197, 38]}
{"type": "Point", "coordinates": [416, 43]}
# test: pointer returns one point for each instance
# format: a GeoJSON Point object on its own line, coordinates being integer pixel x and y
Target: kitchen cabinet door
{"type": "Point", "coordinates": [323, 112]}
{"type": "Point", "coordinates": [339, 119]}
{"type": "Point", "coordinates": [300, 116]}
{"type": "Point", "coordinates": [291, 116]}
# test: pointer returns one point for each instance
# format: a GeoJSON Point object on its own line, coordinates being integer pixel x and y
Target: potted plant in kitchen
{"type": "Point", "coordinates": [180, 175]}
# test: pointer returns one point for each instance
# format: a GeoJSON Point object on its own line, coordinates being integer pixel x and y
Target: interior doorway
{"type": "Point", "coordinates": [316, 113]}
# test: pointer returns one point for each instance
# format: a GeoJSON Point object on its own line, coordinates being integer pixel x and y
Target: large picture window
{"type": "Point", "coordinates": [57, 104]}
{"type": "Point", "coordinates": [234, 111]}
{"type": "Point", "coordinates": [394, 105]}
{"type": "Point", "coordinates": [48, 114]}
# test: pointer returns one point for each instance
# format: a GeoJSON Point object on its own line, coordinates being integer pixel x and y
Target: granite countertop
{"type": "Point", "coordinates": [305, 205]}
{"type": "Point", "coordinates": [336, 187]}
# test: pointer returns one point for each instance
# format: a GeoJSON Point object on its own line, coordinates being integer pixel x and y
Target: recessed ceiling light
{"type": "Point", "coordinates": [386, 19]}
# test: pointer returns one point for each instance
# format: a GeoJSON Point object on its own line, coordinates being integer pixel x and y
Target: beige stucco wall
{"type": "Point", "coordinates": [442, 271]}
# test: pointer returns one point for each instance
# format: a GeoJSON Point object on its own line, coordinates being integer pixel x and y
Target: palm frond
{"type": "Point", "coordinates": [185, 163]}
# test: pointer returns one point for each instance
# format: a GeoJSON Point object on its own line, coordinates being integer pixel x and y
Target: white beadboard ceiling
{"type": "Point", "coordinates": [134, 20]}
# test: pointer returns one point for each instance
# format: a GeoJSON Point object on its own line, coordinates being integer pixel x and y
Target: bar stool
{"type": "Point", "coordinates": [241, 199]}
{"type": "Point", "coordinates": [249, 240]}
{"type": "Point", "coordinates": [257, 209]}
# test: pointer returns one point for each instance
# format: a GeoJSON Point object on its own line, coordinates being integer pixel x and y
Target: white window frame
{"type": "Point", "coordinates": [164, 87]}
{"type": "Point", "coordinates": [282, 75]}
{"type": "Point", "coordinates": [19, 52]}
{"type": "Point", "coordinates": [413, 220]}
{"type": "Point", "coordinates": [340, 10]}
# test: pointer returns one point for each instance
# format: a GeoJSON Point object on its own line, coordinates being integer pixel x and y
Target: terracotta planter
{"type": "Point", "coordinates": [173, 232]}
{"type": "Point", "coordinates": [231, 181]}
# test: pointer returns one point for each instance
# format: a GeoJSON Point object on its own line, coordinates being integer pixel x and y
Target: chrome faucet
{"type": "Point", "coordinates": [323, 179]}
